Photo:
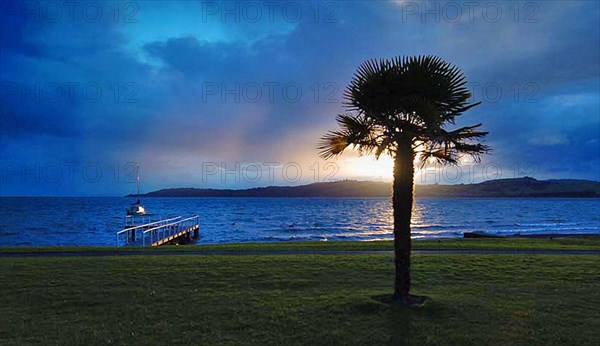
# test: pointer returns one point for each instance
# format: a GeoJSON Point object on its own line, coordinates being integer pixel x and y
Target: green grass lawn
{"type": "Point", "coordinates": [298, 300]}
{"type": "Point", "coordinates": [566, 243]}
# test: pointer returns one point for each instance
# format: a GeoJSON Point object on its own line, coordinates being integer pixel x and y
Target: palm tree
{"type": "Point", "coordinates": [402, 107]}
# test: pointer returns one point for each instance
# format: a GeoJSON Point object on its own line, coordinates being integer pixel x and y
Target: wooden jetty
{"type": "Point", "coordinates": [172, 231]}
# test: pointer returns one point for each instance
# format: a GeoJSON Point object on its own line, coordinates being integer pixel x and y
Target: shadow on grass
{"type": "Point", "coordinates": [403, 319]}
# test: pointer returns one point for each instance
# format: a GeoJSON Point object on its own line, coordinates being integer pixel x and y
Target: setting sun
{"type": "Point", "coordinates": [367, 167]}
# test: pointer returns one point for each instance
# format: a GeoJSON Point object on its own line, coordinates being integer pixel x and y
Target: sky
{"type": "Point", "coordinates": [237, 94]}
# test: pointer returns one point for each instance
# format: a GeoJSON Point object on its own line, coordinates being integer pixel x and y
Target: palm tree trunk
{"type": "Point", "coordinates": [402, 200]}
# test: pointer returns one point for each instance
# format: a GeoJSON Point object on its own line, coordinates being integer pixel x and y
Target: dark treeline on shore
{"type": "Point", "coordinates": [519, 187]}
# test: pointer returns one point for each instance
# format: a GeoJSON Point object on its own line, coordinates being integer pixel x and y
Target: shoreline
{"type": "Point", "coordinates": [577, 242]}
{"type": "Point", "coordinates": [483, 234]}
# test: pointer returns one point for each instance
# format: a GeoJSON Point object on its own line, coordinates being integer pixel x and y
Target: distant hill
{"type": "Point", "coordinates": [519, 187]}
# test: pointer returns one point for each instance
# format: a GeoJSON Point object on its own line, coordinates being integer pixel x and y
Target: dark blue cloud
{"type": "Point", "coordinates": [179, 84]}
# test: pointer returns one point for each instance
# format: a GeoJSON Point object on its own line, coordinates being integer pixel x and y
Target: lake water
{"type": "Point", "coordinates": [26, 221]}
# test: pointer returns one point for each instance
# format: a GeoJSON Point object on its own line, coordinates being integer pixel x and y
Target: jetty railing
{"type": "Point", "coordinates": [135, 233]}
{"type": "Point", "coordinates": [164, 233]}
{"type": "Point", "coordinates": [137, 220]}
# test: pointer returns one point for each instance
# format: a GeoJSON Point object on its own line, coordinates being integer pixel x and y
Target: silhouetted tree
{"type": "Point", "coordinates": [402, 107]}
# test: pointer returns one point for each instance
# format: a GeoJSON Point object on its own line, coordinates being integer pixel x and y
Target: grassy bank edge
{"type": "Point", "coordinates": [565, 243]}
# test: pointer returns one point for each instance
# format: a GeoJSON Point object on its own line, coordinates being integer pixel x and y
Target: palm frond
{"type": "Point", "coordinates": [332, 144]}
{"type": "Point", "coordinates": [406, 100]}
{"type": "Point", "coordinates": [441, 155]}
{"type": "Point", "coordinates": [448, 147]}
{"type": "Point", "coordinates": [467, 132]}
{"type": "Point", "coordinates": [355, 130]}
{"type": "Point", "coordinates": [383, 145]}
{"type": "Point", "coordinates": [473, 150]}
